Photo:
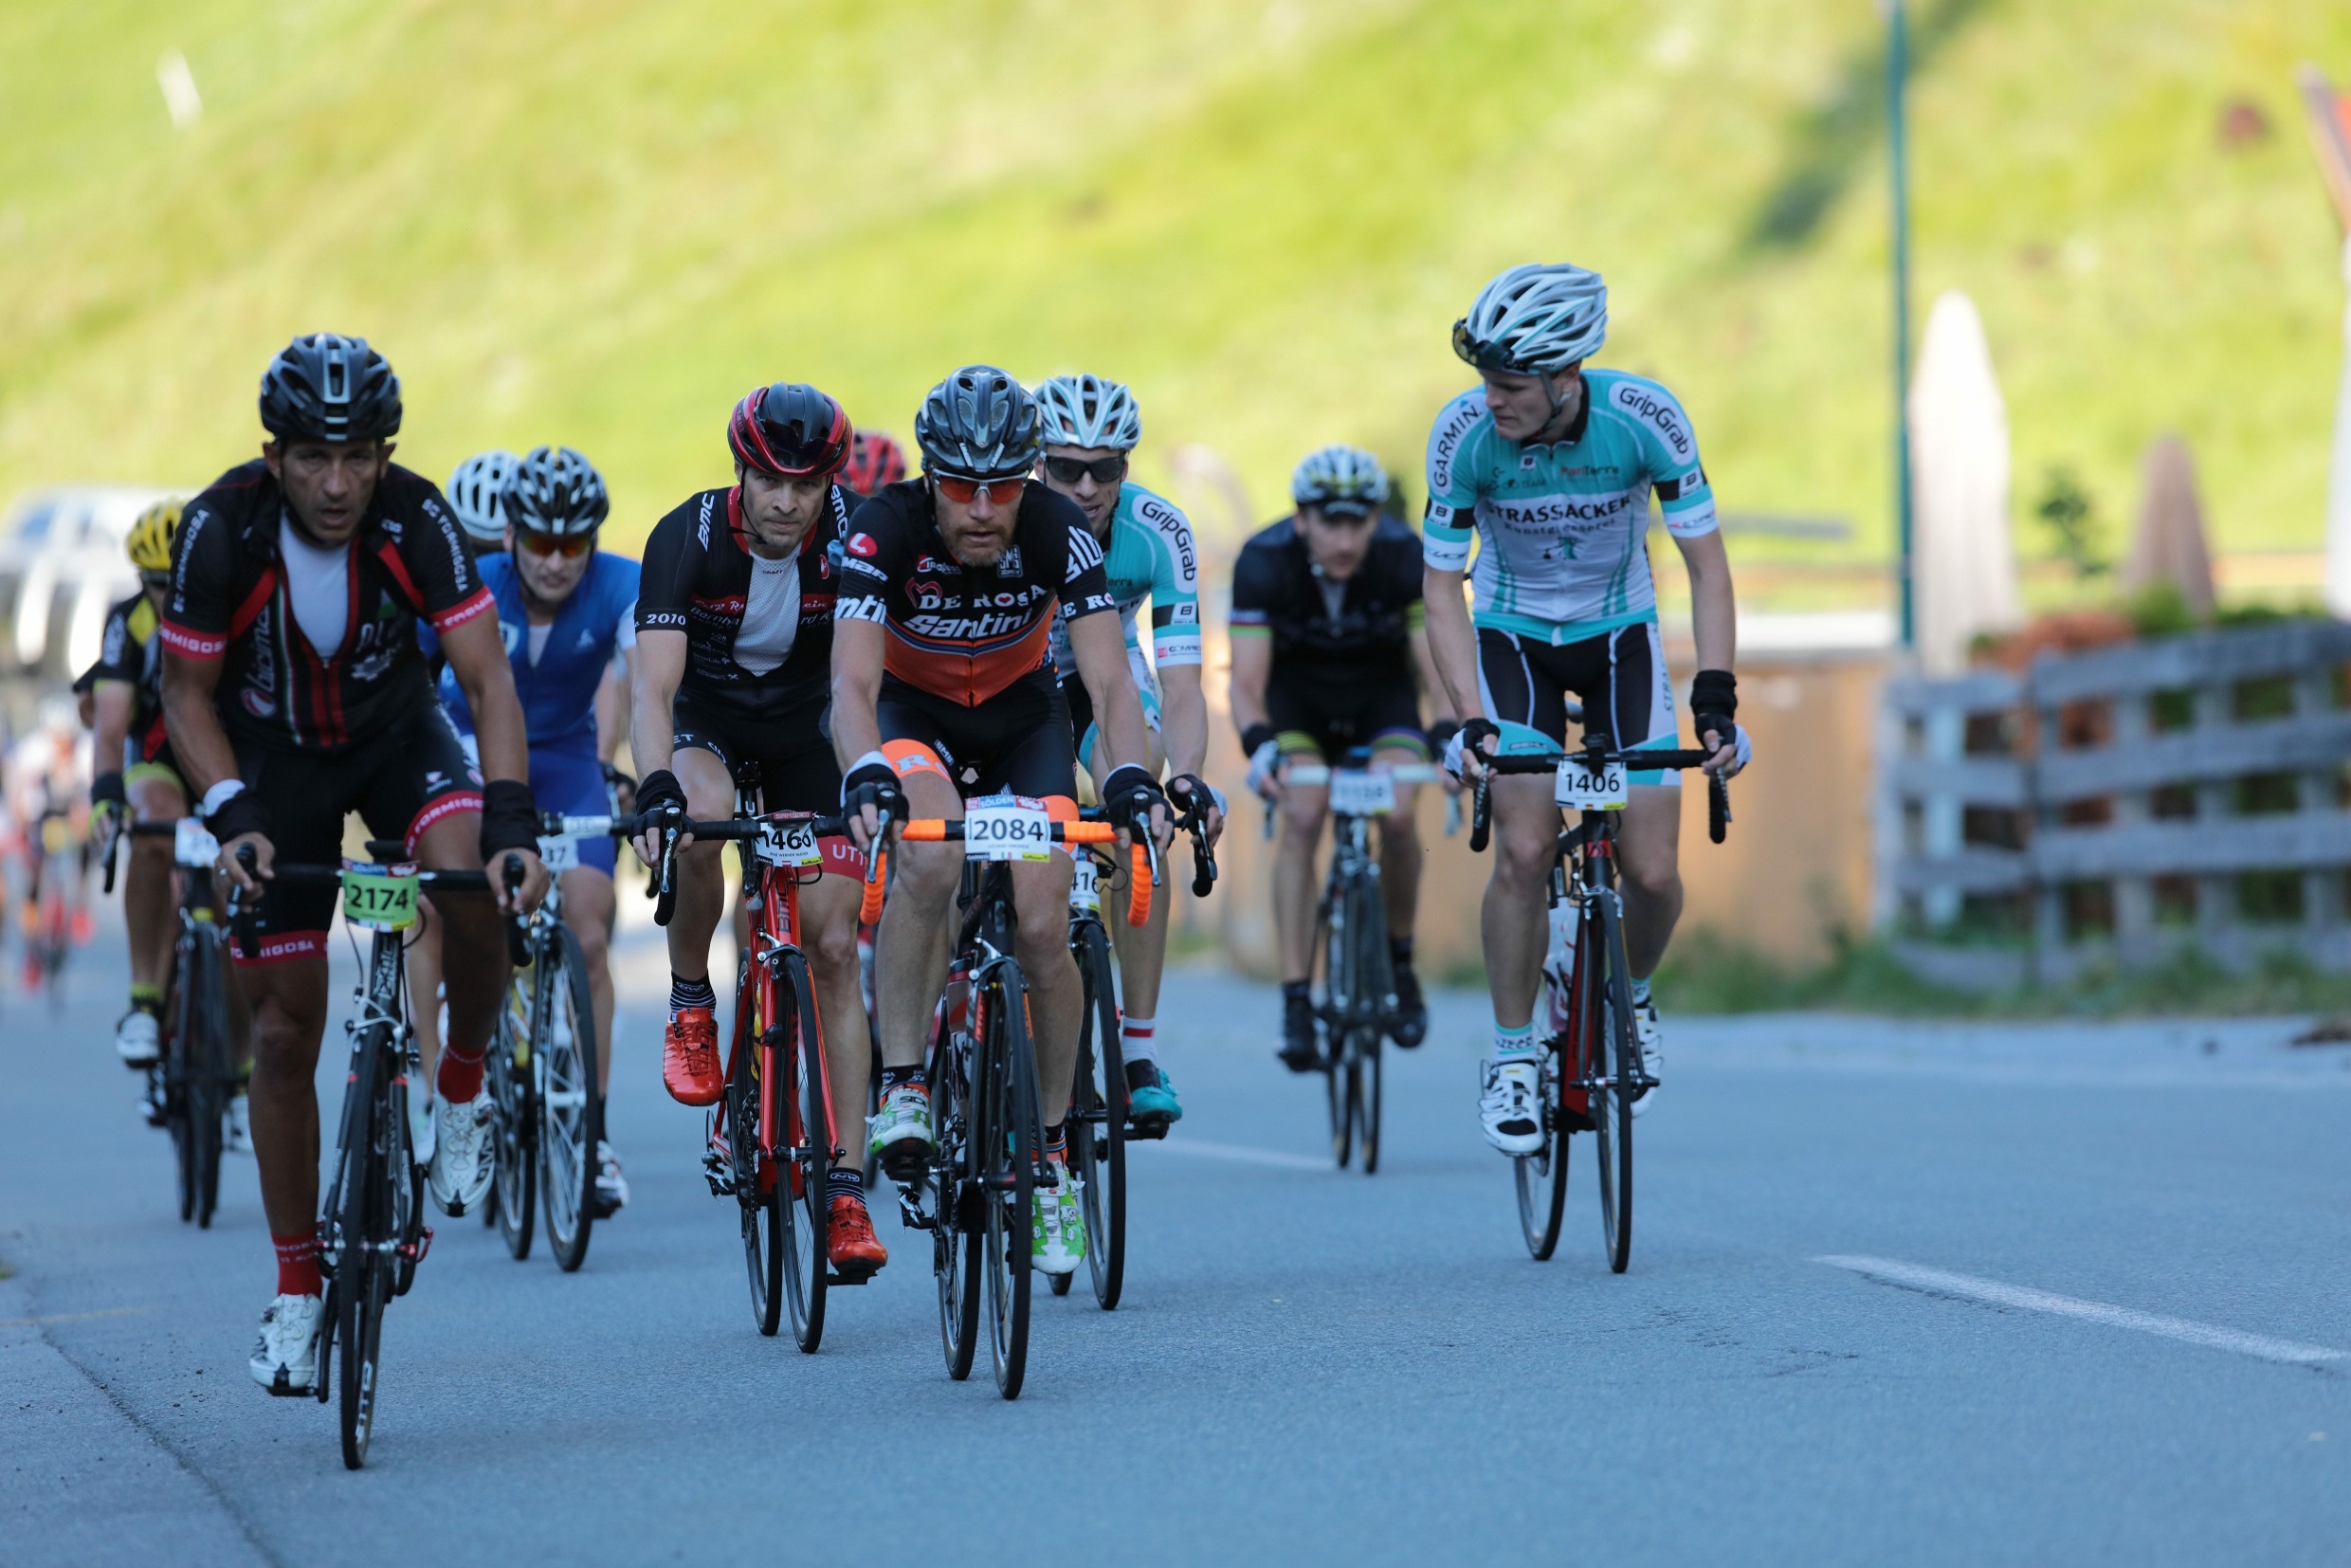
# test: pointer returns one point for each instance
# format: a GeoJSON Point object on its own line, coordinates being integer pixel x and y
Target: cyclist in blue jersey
{"type": "Point", "coordinates": [566, 611]}
{"type": "Point", "coordinates": [1090, 426]}
{"type": "Point", "coordinates": [1550, 465]}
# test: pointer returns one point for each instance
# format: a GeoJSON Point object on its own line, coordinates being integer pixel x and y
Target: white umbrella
{"type": "Point", "coordinates": [1966, 566]}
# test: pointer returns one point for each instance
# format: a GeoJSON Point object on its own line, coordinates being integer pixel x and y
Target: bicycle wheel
{"type": "Point", "coordinates": [207, 1056]}
{"type": "Point", "coordinates": [1330, 1015]}
{"type": "Point", "coordinates": [1371, 981]}
{"type": "Point", "coordinates": [364, 1226]}
{"type": "Point", "coordinates": [177, 1073]}
{"type": "Point", "coordinates": [1613, 1056]}
{"type": "Point", "coordinates": [804, 1154]}
{"type": "Point", "coordinates": [1010, 1140]}
{"type": "Point", "coordinates": [571, 1112]}
{"type": "Point", "coordinates": [757, 1189]}
{"type": "Point", "coordinates": [1541, 1176]}
{"type": "Point", "coordinates": [957, 1234]}
{"type": "Point", "coordinates": [1098, 1124]}
{"type": "Point", "coordinates": [513, 1194]}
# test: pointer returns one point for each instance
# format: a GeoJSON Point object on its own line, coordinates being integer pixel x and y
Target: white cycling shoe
{"type": "Point", "coordinates": [237, 1125]}
{"type": "Point", "coordinates": [139, 1040]}
{"type": "Point", "coordinates": [463, 1154]}
{"type": "Point", "coordinates": [1510, 1105]}
{"type": "Point", "coordinates": [286, 1357]}
{"type": "Point", "coordinates": [611, 1187]}
{"type": "Point", "coordinates": [900, 1133]}
{"type": "Point", "coordinates": [1057, 1227]}
{"type": "Point", "coordinates": [1652, 1060]}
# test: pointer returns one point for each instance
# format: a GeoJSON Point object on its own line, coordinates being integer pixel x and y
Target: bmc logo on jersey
{"type": "Point", "coordinates": [863, 545]}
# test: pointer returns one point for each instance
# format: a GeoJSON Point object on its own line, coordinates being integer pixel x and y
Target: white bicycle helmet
{"type": "Point", "coordinates": [1343, 480]}
{"type": "Point", "coordinates": [1086, 410]}
{"type": "Point", "coordinates": [1535, 320]}
{"type": "Point", "coordinates": [476, 492]}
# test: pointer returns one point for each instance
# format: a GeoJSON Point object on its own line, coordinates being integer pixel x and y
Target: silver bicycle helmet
{"type": "Point", "coordinates": [1535, 320]}
{"type": "Point", "coordinates": [979, 424]}
{"type": "Point", "coordinates": [1086, 410]}
{"type": "Point", "coordinates": [555, 490]}
{"type": "Point", "coordinates": [1344, 481]}
{"type": "Point", "coordinates": [476, 492]}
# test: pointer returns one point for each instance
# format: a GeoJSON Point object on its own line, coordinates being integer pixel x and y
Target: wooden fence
{"type": "Point", "coordinates": [2121, 805]}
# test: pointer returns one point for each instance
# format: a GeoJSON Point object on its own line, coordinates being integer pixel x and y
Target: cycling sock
{"type": "Point", "coordinates": [845, 1178]}
{"type": "Point", "coordinates": [459, 1075]}
{"type": "Point", "coordinates": [1057, 1149]}
{"type": "Point", "coordinates": [1400, 952]}
{"type": "Point", "coordinates": [1514, 1043]}
{"type": "Point", "coordinates": [1137, 1040]}
{"type": "Point", "coordinates": [906, 1076]}
{"type": "Point", "coordinates": [685, 994]}
{"type": "Point", "coordinates": [1640, 992]}
{"type": "Point", "coordinates": [147, 998]}
{"type": "Point", "coordinates": [297, 1265]}
{"type": "Point", "coordinates": [1302, 989]}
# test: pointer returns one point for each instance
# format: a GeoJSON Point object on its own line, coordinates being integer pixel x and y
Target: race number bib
{"type": "Point", "coordinates": [1085, 884]}
{"type": "Point", "coordinates": [1006, 827]}
{"type": "Point", "coordinates": [1357, 791]}
{"type": "Point", "coordinates": [788, 844]}
{"type": "Point", "coordinates": [559, 852]}
{"type": "Point", "coordinates": [1581, 789]}
{"type": "Point", "coordinates": [380, 898]}
{"type": "Point", "coordinates": [191, 846]}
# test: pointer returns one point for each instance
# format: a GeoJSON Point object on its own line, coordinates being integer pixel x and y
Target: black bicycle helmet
{"type": "Point", "coordinates": [555, 491]}
{"type": "Point", "coordinates": [789, 429]}
{"type": "Point", "coordinates": [979, 424]}
{"type": "Point", "coordinates": [326, 387]}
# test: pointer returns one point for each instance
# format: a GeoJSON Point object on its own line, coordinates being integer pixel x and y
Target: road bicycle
{"type": "Point", "coordinates": [195, 1073]}
{"type": "Point", "coordinates": [772, 1142]}
{"type": "Point", "coordinates": [1592, 1067]}
{"type": "Point", "coordinates": [371, 1229]}
{"type": "Point", "coordinates": [1101, 1120]}
{"type": "Point", "coordinates": [543, 1071]}
{"type": "Point", "coordinates": [1354, 971]}
{"type": "Point", "coordinates": [978, 1192]}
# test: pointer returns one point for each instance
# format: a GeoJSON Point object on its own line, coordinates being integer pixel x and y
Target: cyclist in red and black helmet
{"type": "Point", "coordinates": [294, 694]}
{"type": "Point", "coordinates": [734, 660]}
{"type": "Point", "coordinates": [875, 460]}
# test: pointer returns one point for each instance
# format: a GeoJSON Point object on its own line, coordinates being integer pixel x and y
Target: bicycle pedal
{"type": "Point", "coordinates": [910, 1212]}
{"type": "Point", "coordinates": [414, 1251]}
{"type": "Point", "coordinates": [850, 1279]}
{"type": "Point", "coordinates": [719, 1173]}
{"type": "Point", "coordinates": [1153, 1128]}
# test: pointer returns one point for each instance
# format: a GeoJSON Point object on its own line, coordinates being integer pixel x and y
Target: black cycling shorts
{"type": "Point", "coordinates": [1331, 720]}
{"type": "Point", "coordinates": [788, 751]}
{"type": "Point", "coordinates": [406, 776]}
{"type": "Point", "coordinates": [1018, 742]}
{"type": "Point", "coordinates": [1619, 676]}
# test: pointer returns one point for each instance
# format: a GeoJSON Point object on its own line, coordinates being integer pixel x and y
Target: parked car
{"type": "Point", "coordinates": [60, 565]}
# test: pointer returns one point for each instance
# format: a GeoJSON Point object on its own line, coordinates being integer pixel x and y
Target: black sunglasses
{"type": "Point", "coordinates": [1068, 470]}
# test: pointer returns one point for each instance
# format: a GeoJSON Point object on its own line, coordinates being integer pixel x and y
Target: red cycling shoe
{"type": "Point", "coordinates": [690, 1058]}
{"type": "Point", "coordinates": [856, 1252]}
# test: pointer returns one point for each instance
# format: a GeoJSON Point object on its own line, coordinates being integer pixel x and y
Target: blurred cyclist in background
{"type": "Point", "coordinates": [875, 460]}
{"type": "Point", "coordinates": [477, 494]}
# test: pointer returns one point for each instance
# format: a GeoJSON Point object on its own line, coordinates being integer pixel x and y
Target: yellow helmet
{"type": "Point", "coordinates": [150, 544]}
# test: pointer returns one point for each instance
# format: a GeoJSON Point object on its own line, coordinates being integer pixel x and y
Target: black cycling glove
{"type": "Point", "coordinates": [873, 784]}
{"type": "Point", "coordinates": [1256, 736]}
{"type": "Point", "coordinates": [1196, 792]}
{"type": "Point", "coordinates": [240, 815]}
{"type": "Point", "coordinates": [658, 790]}
{"type": "Point", "coordinates": [1129, 796]}
{"type": "Point", "coordinates": [1439, 733]}
{"type": "Point", "coordinates": [1473, 731]}
{"type": "Point", "coordinates": [509, 818]}
{"type": "Point", "coordinates": [106, 790]}
{"type": "Point", "coordinates": [1714, 704]}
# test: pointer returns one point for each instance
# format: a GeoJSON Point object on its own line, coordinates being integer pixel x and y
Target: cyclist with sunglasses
{"type": "Point", "coordinates": [140, 780]}
{"type": "Point", "coordinates": [733, 659]}
{"type": "Point", "coordinates": [1328, 654]}
{"type": "Point", "coordinates": [566, 611]}
{"type": "Point", "coordinates": [1550, 465]}
{"type": "Point", "coordinates": [1090, 426]}
{"type": "Point", "coordinates": [944, 688]}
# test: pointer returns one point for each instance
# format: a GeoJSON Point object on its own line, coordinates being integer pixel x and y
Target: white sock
{"type": "Point", "coordinates": [1515, 1044]}
{"type": "Point", "coordinates": [1640, 993]}
{"type": "Point", "coordinates": [1136, 1041]}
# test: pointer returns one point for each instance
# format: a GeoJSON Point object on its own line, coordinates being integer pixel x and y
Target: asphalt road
{"type": "Point", "coordinates": [1900, 1293]}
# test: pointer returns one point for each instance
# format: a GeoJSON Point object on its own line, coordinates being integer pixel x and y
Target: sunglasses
{"type": "Point", "coordinates": [1068, 470]}
{"type": "Point", "coordinates": [1486, 356]}
{"type": "Point", "coordinates": [566, 545]}
{"type": "Point", "coordinates": [963, 491]}
{"type": "Point", "coordinates": [159, 582]}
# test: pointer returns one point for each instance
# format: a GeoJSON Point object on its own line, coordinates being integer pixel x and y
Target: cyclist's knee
{"type": "Point", "coordinates": [926, 872]}
{"type": "Point", "coordinates": [834, 946]}
{"type": "Point", "coordinates": [1523, 855]}
{"type": "Point", "coordinates": [1397, 832]}
{"type": "Point", "coordinates": [1662, 883]}
{"type": "Point", "coordinates": [1303, 811]}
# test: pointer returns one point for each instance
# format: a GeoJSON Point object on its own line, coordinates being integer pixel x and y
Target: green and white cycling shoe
{"type": "Point", "coordinates": [1057, 1227]}
{"type": "Point", "coordinates": [898, 1133]}
{"type": "Point", "coordinates": [1152, 1106]}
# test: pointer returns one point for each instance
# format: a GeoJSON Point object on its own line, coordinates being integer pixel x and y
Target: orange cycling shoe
{"type": "Point", "coordinates": [690, 1057]}
{"type": "Point", "coordinates": [856, 1251]}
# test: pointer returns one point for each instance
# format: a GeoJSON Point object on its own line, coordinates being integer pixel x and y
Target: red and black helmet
{"type": "Point", "coordinates": [875, 460]}
{"type": "Point", "coordinates": [789, 430]}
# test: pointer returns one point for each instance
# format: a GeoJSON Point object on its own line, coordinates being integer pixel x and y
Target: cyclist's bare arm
{"type": "Point", "coordinates": [477, 656]}
{"type": "Point", "coordinates": [857, 652]}
{"type": "Point", "coordinates": [110, 720]}
{"type": "Point", "coordinates": [612, 704]}
{"type": "Point", "coordinates": [1253, 665]}
{"type": "Point", "coordinates": [1183, 718]}
{"type": "Point", "coordinates": [202, 746]}
{"type": "Point", "coordinates": [1452, 643]}
{"type": "Point", "coordinates": [1099, 643]}
{"type": "Point", "coordinates": [1714, 618]}
{"type": "Point", "coordinates": [656, 665]}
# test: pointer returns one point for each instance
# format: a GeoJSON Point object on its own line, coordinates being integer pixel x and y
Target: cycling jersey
{"type": "Point", "coordinates": [1564, 527]}
{"type": "Point", "coordinates": [241, 595]}
{"type": "Point", "coordinates": [1149, 555]}
{"type": "Point", "coordinates": [128, 651]}
{"type": "Point", "coordinates": [970, 634]}
{"type": "Point", "coordinates": [759, 633]}
{"type": "Point", "coordinates": [557, 667]}
{"type": "Point", "coordinates": [1327, 633]}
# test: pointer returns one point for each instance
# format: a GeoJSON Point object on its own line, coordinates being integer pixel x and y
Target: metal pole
{"type": "Point", "coordinates": [1897, 73]}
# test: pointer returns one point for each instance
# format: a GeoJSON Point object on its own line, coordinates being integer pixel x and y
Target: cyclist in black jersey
{"type": "Point", "coordinates": [944, 687]}
{"type": "Point", "coordinates": [1327, 646]}
{"type": "Point", "coordinates": [294, 693]}
{"type": "Point", "coordinates": [734, 665]}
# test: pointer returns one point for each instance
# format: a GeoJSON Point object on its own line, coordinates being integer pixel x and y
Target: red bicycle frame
{"type": "Point", "coordinates": [772, 903]}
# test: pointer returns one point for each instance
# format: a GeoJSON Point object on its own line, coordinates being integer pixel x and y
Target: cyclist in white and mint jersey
{"type": "Point", "coordinates": [1550, 468]}
{"type": "Point", "coordinates": [1090, 426]}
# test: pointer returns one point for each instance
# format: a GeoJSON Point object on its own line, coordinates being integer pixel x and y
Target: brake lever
{"type": "Point", "coordinates": [518, 941]}
{"type": "Point", "coordinates": [240, 913]}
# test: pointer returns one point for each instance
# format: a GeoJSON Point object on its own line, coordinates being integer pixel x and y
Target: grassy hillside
{"type": "Point", "coordinates": [599, 222]}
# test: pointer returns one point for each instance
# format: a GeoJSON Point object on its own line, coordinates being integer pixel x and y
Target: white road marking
{"type": "Point", "coordinates": [74, 1317]}
{"type": "Point", "coordinates": [1233, 1152]}
{"type": "Point", "coordinates": [2098, 1312]}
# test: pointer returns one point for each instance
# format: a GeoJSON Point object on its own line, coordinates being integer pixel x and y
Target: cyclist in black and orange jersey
{"type": "Point", "coordinates": [943, 687]}
{"type": "Point", "coordinates": [734, 666]}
